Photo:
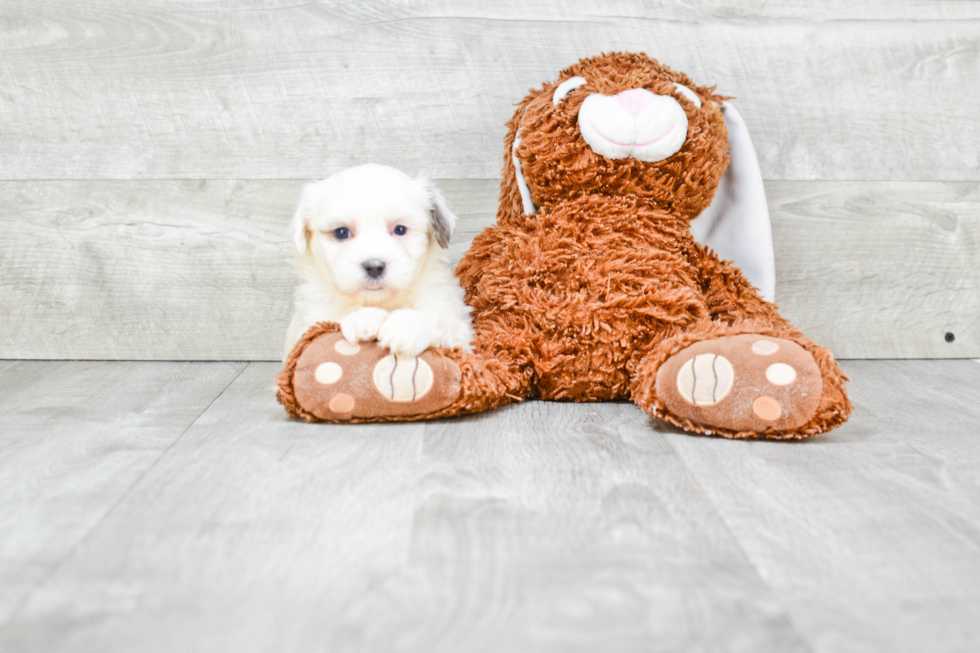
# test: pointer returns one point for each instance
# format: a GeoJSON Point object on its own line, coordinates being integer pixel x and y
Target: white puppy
{"type": "Point", "coordinates": [371, 243]}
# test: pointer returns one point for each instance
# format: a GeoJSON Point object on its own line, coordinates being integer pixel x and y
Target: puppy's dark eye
{"type": "Point", "coordinates": [341, 233]}
{"type": "Point", "coordinates": [400, 230]}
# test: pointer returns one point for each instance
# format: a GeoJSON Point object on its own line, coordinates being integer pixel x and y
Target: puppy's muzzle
{"type": "Point", "coordinates": [374, 268]}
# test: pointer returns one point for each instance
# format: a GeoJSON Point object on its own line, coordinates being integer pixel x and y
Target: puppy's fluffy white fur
{"type": "Point", "coordinates": [371, 255]}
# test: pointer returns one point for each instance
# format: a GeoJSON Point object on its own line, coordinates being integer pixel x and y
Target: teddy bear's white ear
{"type": "Point", "coordinates": [526, 200]}
{"type": "Point", "coordinates": [736, 224]}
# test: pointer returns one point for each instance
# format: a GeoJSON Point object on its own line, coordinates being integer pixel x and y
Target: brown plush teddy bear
{"type": "Point", "coordinates": [591, 287]}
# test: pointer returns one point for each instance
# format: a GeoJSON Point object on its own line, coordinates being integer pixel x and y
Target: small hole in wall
{"type": "Point", "coordinates": [950, 337]}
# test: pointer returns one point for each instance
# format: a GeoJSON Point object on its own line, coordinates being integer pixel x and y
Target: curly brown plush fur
{"type": "Point", "coordinates": [588, 297]}
{"type": "Point", "coordinates": [585, 298]}
{"type": "Point", "coordinates": [558, 163]}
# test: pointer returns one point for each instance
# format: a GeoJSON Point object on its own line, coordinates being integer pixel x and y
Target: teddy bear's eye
{"type": "Point", "coordinates": [565, 88]}
{"type": "Point", "coordinates": [688, 93]}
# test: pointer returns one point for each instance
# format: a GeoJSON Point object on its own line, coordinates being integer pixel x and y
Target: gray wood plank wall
{"type": "Point", "coordinates": [151, 152]}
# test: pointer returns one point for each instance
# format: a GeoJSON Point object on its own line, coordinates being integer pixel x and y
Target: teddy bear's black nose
{"type": "Point", "coordinates": [374, 268]}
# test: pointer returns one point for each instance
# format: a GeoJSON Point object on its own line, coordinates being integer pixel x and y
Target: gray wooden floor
{"type": "Point", "coordinates": [160, 506]}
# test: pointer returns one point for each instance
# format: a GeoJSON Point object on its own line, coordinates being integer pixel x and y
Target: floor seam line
{"type": "Point", "coordinates": [71, 552]}
{"type": "Point", "coordinates": [738, 543]}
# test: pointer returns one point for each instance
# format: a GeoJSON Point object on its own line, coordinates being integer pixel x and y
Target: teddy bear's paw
{"type": "Point", "coordinates": [338, 381]}
{"type": "Point", "coordinates": [745, 383]}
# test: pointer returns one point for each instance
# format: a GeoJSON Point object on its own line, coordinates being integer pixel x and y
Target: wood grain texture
{"type": "Point", "coordinates": [76, 437]}
{"type": "Point", "coordinates": [200, 270]}
{"type": "Point", "coordinates": [882, 270]}
{"type": "Point", "coordinates": [172, 270]}
{"type": "Point", "coordinates": [539, 527]}
{"type": "Point", "coordinates": [265, 90]}
{"type": "Point", "coordinates": [869, 533]}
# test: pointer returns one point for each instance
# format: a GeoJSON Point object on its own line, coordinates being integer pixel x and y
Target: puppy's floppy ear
{"type": "Point", "coordinates": [443, 220]}
{"type": "Point", "coordinates": [300, 226]}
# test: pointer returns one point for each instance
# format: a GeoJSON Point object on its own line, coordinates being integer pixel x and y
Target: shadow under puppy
{"type": "Point", "coordinates": [371, 244]}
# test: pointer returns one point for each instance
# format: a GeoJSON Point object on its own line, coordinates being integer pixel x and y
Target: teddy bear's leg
{"type": "Point", "coordinates": [746, 372]}
{"type": "Point", "coordinates": [328, 379]}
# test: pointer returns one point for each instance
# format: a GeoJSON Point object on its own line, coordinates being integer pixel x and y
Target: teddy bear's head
{"type": "Point", "coordinates": [618, 124]}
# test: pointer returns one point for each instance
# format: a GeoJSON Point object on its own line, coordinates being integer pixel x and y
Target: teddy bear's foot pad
{"type": "Point", "coordinates": [742, 383]}
{"type": "Point", "coordinates": [338, 381]}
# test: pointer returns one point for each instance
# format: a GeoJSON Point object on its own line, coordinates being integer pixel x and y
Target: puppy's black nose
{"type": "Point", "coordinates": [374, 268]}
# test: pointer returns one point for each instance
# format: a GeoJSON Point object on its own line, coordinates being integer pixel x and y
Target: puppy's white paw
{"type": "Point", "coordinates": [407, 333]}
{"type": "Point", "coordinates": [363, 324]}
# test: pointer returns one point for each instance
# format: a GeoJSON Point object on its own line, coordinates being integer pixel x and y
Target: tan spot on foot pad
{"type": "Point", "coordinates": [336, 381]}
{"type": "Point", "coordinates": [763, 382]}
{"type": "Point", "coordinates": [767, 408]}
{"type": "Point", "coordinates": [341, 403]}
